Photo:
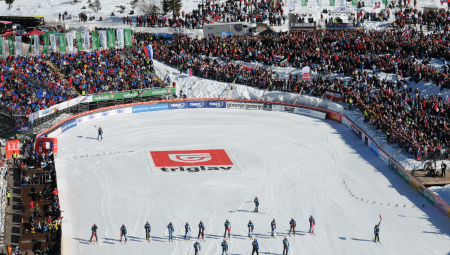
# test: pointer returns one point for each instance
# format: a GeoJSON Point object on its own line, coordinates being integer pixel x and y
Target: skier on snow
{"type": "Point", "coordinates": [224, 247]}
{"type": "Point", "coordinates": [201, 230]}
{"type": "Point", "coordinates": [187, 229]}
{"type": "Point", "coordinates": [285, 246]}
{"type": "Point", "coordinates": [256, 204]}
{"type": "Point", "coordinates": [376, 231]}
{"type": "Point", "coordinates": [292, 225]}
{"type": "Point", "coordinates": [255, 247]}
{"type": "Point", "coordinates": [123, 232]}
{"type": "Point", "coordinates": [197, 248]}
{"type": "Point", "coordinates": [147, 228]}
{"type": "Point", "coordinates": [273, 224]}
{"type": "Point", "coordinates": [227, 228]}
{"type": "Point", "coordinates": [170, 228]}
{"type": "Point", "coordinates": [94, 233]}
{"type": "Point", "coordinates": [100, 133]}
{"type": "Point", "coordinates": [312, 223]}
{"type": "Point", "coordinates": [250, 229]}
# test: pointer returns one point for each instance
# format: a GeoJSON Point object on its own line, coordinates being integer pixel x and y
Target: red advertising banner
{"type": "Point", "coordinates": [335, 116]}
{"type": "Point", "coordinates": [334, 96]}
{"type": "Point", "coordinates": [11, 146]}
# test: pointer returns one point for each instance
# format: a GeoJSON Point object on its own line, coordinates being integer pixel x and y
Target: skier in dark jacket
{"type": "Point", "coordinates": [187, 229]}
{"type": "Point", "coordinates": [201, 230]}
{"type": "Point", "coordinates": [227, 228]}
{"type": "Point", "coordinates": [292, 225]}
{"type": "Point", "coordinates": [273, 225]}
{"type": "Point", "coordinates": [170, 228]}
{"type": "Point", "coordinates": [285, 246]}
{"type": "Point", "coordinates": [256, 204]}
{"type": "Point", "coordinates": [376, 231]}
{"type": "Point", "coordinates": [100, 134]}
{"type": "Point", "coordinates": [255, 247]}
{"type": "Point", "coordinates": [94, 233]}
{"type": "Point", "coordinates": [147, 228]}
{"type": "Point", "coordinates": [250, 229]}
{"type": "Point", "coordinates": [312, 223]}
{"type": "Point", "coordinates": [197, 248]}
{"type": "Point", "coordinates": [224, 247]}
{"type": "Point", "coordinates": [123, 232]}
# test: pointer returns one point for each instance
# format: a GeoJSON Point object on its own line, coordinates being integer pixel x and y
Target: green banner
{"type": "Point", "coordinates": [79, 40]}
{"type": "Point", "coordinates": [428, 196]}
{"type": "Point", "coordinates": [11, 45]}
{"type": "Point", "coordinates": [62, 43]}
{"type": "Point", "coordinates": [127, 35]}
{"type": "Point", "coordinates": [304, 2]}
{"type": "Point", "coordinates": [354, 2]}
{"type": "Point", "coordinates": [385, 2]}
{"type": "Point", "coordinates": [45, 43]}
{"type": "Point", "coordinates": [331, 2]}
{"type": "Point", "coordinates": [95, 40]}
{"type": "Point", "coordinates": [110, 38]}
{"type": "Point", "coordinates": [132, 94]}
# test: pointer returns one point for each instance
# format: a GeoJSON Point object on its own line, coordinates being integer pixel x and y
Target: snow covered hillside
{"type": "Point", "coordinates": [51, 8]}
{"type": "Point", "coordinates": [296, 165]}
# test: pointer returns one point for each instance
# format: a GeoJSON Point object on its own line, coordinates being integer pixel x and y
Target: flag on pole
{"type": "Point", "coordinates": [148, 51]}
{"type": "Point", "coordinates": [229, 29]}
{"type": "Point", "coordinates": [418, 154]}
{"type": "Point", "coordinates": [189, 72]}
{"type": "Point", "coordinates": [380, 217]}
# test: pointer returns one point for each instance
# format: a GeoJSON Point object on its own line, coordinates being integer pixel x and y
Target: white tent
{"type": "Point", "coordinates": [305, 12]}
{"type": "Point", "coordinates": [342, 10]}
{"type": "Point", "coordinates": [431, 7]}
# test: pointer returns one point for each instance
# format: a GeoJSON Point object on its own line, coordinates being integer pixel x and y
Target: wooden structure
{"type": "Point", "coordinates": [426, 179]}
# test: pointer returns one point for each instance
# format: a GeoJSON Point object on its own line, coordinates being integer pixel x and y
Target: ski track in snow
{"type": "Point", "coordinates": [294, 164]}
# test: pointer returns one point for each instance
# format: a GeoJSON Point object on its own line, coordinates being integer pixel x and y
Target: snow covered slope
{"type": "Point", "coordinates": [296, 165]}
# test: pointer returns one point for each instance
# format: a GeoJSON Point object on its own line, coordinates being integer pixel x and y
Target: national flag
{"type": "Point", "coordinates": [444, 1]}
{"type": "Point", "coordinates": [380, 217]}
{"type": "Point", "coordinates": [189, 72]}
{"type": "Point", "coordinates": [148, 50]}
{"type": "Point", "coordinates": [448, 99]}
{"type": "Point", "coordinates": [261, 83]}
{"type": "Point", "coordinates": [229, 29]}
{"type": "Point", "coordinates": [448, 18]}
{"type": "Point", "coordinates": [283, 62]}
{"type": "Point", "coordinates": [277, 58]}
{"type": "Point", "coordinates": [140, 93]}
{"type": "Point", "coordinates": [418, 154]}
{"type": "Point", "coordinates": [357, 39]}
{"type": "Point", "coordinates": [334, 43]}
{"type": "Point", "coordinates": [406, 100]}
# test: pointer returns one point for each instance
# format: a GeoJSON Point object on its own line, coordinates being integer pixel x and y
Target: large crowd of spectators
{"type": "Point", "coordinates": [30, 84]}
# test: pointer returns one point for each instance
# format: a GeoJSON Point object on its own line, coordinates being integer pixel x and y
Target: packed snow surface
{"type": "Point", "coordinates": [296, 165]}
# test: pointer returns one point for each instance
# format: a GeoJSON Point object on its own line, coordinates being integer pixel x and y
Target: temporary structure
{"type": "Point", "coordinates": [307, 12]}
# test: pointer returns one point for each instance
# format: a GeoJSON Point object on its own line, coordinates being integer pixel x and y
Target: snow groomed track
{"type": "Point", "coordinates": [295, 164]}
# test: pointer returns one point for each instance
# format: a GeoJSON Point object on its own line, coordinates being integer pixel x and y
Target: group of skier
{"type": "Point", "coordinates": [227, 225]}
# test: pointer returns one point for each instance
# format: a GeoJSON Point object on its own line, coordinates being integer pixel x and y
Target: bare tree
{"type": "Point", "coordinates": [149, 6]}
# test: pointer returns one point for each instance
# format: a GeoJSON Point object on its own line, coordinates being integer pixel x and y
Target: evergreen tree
{"type": "Point", "coordinates": [165, 6]}
{"type": "Point", "coordinates": [174, 6]}
{"type": "Point", "coordinates": [95, 5]}
{"type": "Point", "coordinates": [9, 3]}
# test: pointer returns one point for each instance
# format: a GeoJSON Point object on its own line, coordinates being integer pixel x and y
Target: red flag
{"type": "Point", "coordinates": [380, 217]}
